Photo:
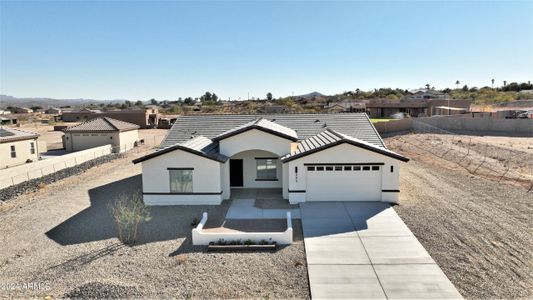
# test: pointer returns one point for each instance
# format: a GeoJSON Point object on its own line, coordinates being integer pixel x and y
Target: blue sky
{"type": "Point", "coordinates": [170, 49]}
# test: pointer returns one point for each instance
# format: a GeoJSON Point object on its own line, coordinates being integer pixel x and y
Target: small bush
{"type": "Point", "coordinates": [182, 259]}
{"type": "Point", "coordinates": [194, 222]}
{"type": "Point", "coordinates": [263, 242]}
{"type": "Point", "coordinates": [249, 242]}
{"type": "Point", "coordinates": [128, 212]}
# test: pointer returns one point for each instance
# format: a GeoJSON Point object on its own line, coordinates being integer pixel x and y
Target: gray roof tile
{"type": "Point", "coordinates": [14, 134]}
{"type": "Point", "coordinates": [329, 138]}
{"type": "Point", "coordinates": [305, 125]}
{"type": "Point", "coordinates": [102, 124]}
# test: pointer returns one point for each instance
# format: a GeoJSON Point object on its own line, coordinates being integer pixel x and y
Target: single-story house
{"type": "Point", "coordinates": [22, 110]}
{"type": "Point", "coordinates": [99, 132]}
{"type": "Point", "coordinates": [17, 147]}
{"type": "Point", "coordinates": [53, 111]}
{"type": "Point", "coordinates": [310, 157]}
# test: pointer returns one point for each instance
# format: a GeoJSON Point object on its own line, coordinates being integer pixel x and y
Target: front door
{"type": "Point", "coordinates": [235, 172]}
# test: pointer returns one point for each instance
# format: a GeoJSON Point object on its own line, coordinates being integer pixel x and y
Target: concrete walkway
{"type": "Point", "coordinates": [244, 209]}
{"type": "Point", "coordinates": [363, 250]}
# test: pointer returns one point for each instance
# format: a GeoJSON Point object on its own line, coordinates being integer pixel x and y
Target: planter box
{"type": "Point", "coordinates": [213, 247]}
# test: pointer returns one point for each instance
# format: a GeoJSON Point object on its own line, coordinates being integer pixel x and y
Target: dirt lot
{"type": "Point", "coordinates": [478, 230]}
{"type": "Point", "coordinates": [63, 238]}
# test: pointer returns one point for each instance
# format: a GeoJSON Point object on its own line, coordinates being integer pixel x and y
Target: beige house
{"type": "Point", "coordinates": [17, 147]}
{"type": "Point", "coordinates": [101, 131]}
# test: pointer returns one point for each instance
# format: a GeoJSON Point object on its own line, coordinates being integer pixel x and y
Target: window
{"type": "Point", "coordinates": [375, 168]}
{"type": "Point", "coordinates": [329, 168]}
{"type": "Point", "coordinates": [366, 168]}
{"type": "Point", "coordinates": [338, 168]}
{"type": "Point", "coordinates": [320, 168]}
{"type": "Point", "coordinates": [310, 168]}
{"type": "Point", "coordinates": [32, 148]}
{"type": "Point", "coordinates": [357, 168]}
{"type": "Point", "coordinates": [266, 169]}
{"type": "Point", "coordinates": [391, 169]}
{"type": "Point", "coordinates": [13, 152]}
{"type": "Point", "coordinates": [347, 168]}
{"type": "Point", "coordinates": [180, 181]}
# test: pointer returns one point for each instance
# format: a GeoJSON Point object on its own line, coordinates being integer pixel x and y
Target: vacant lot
{"type": "Point", "coordinates": [63, 238]}
{"type": "Point", "coordinates": [477, 228]}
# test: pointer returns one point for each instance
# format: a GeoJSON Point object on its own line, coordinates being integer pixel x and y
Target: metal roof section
{"type": "Point", "coordinates": [12, 134]}
{"type": "Point", "coordinates": [263, 125]}
{"type": "Point", "coordinates": [304, 125]}
{"type": "Point", "coordinates": [329, 138]}
{"type": "Point", "coordinates": [104, 124]}
{"type": "Point", "coordinates": [199, 145]}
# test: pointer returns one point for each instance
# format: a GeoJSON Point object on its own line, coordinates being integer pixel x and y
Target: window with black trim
{"type": "Point", "coordinates": [338, 168]}
{"type": "Point", "coordinates": [357, 168]}
{"type": "Point", "coordinates": [266, 169]}
{"type": "Point", "coordinates": [329, 168]}
{"type": "Point", "coordinates": [310, 168]}
{"type": "Point", "coordinates": [320, 168]}
{"type": "Point", "coordinates": [366, 168]}
{"type": "Point", "coordinates": [347, 168]}
{"type": "Point", "coordinates": [375, 168]}
{"type": "Point", "coordinates": [180, 181]}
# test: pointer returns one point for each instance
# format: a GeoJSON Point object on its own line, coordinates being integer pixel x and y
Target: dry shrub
{"type": "Point", "coordinates": [41, 185]}
{"type": "Point", "coordinates": [182, 259]}
{"type": "Point", "coordinates": [128, 212]}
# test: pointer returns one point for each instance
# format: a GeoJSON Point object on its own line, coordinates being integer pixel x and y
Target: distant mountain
{"type": "Point", "coordinates": [312, 95]}
{"type": "Point", "coordinates": [6, 100]}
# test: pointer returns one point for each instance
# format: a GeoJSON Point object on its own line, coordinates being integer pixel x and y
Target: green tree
{"type": "Point", "coordinates": [214, 97]}
{"type": "Point", "coordinates": [206, 97]}
{"type": "Point", "coordinates": [139, 103]}
{"type": "Point", "coordinates": [465, 88]}
{"type": "Point", "coordinates": [269, 96]}
{"type": "Point", "coordinates": [153, 101]}
{"type": "Point", "coordinates": [457, 83]}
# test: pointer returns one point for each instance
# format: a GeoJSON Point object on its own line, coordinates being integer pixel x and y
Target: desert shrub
{"type": "Point", "coordinates": [182, 259]}
{"type": "Point", "coordinates": [249, 242]}
{"type": "Point", "coordinates": [128, 212]}
{"type": "Point", "coordinates": [263, 242]}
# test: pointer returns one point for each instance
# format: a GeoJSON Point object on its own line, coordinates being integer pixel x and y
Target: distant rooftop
{"type": "Point", "coordinates": [14, 134]}
{"type": "Point", "coordinates": [104, 124]}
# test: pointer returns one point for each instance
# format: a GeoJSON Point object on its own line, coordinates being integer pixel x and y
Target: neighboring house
{"type": "Point", "coordinates": [147, 117]}
{"type": "Point", "coordinates": [101, 131]}
{"type": "Point", "coordinates": [346, 106]}
{"type": "Point", "coordinates": [8, 120]}
{"type": "Point", "coordinates": [53, 111]}
{"type": "Point", "coordinates": [384, 108]}
{"type": "Point", "coordinates": [22, 110]}
{"type": "Point", "coordinates": [310, 157]}
{"type": "Point", "coordinates": [426, 94]}
{"type": "Point", "coordinates": [4, 112]}
{"type": "Point", "coordinates": [17, 147]}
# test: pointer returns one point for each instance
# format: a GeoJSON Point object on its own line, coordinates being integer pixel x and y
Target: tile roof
{"type": "Point", "coordinates": [305, 125]}
{"type": "Point", "coordinates": [14, 134]}
{"type": "Point", "coordinates": [105, 124]}
{"type": "Point", "coordinates": [199, 145]}
{"type": "Point", "coordinates": [260, 124]}
{"type": "Point", "coordinates": [329, 138]}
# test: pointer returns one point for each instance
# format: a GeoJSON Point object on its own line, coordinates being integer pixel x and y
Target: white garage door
{"type": "Point", "coordinates": [343, 183]}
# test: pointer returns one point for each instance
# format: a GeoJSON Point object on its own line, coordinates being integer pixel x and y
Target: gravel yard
{"type": "Point", "coordinates": [478, 230]}
{"type": "Point", "coordinates": [62, 237]}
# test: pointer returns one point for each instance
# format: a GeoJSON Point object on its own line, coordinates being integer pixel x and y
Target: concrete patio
{"type": "Point", "coordinates": [363, 250]}
{"type": "Point", "coordinates": [249, 204]}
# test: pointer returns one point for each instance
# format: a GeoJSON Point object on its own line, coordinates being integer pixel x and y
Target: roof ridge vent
{"type": "Point", "coordinates": [317, 121]}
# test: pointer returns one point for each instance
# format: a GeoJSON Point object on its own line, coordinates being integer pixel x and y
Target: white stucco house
{"type": "Point", "coordinates": [309, 157]}
{"type": "Point", "coordinates": [122, 136]}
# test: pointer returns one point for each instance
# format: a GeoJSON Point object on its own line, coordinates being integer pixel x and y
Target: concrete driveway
{"type": "Point", "coordinates": [363, 250]}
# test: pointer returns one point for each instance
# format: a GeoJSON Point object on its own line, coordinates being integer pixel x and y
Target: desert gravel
{"type": "Point", "coordinates": [62, 237]}
{"type": "Point", "coordinates": [479, 231]}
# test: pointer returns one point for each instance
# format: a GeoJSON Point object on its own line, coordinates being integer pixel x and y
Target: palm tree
{"type": "Point", "coordinates": [457, 83]}
{"type": "Point", "coordinates": [505, 83]}
{"type": "Point", "coordinates": [492, 80]}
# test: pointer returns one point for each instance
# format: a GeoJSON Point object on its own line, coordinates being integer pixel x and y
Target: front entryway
{"type": "Point", "coordinates": [236, 178]}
